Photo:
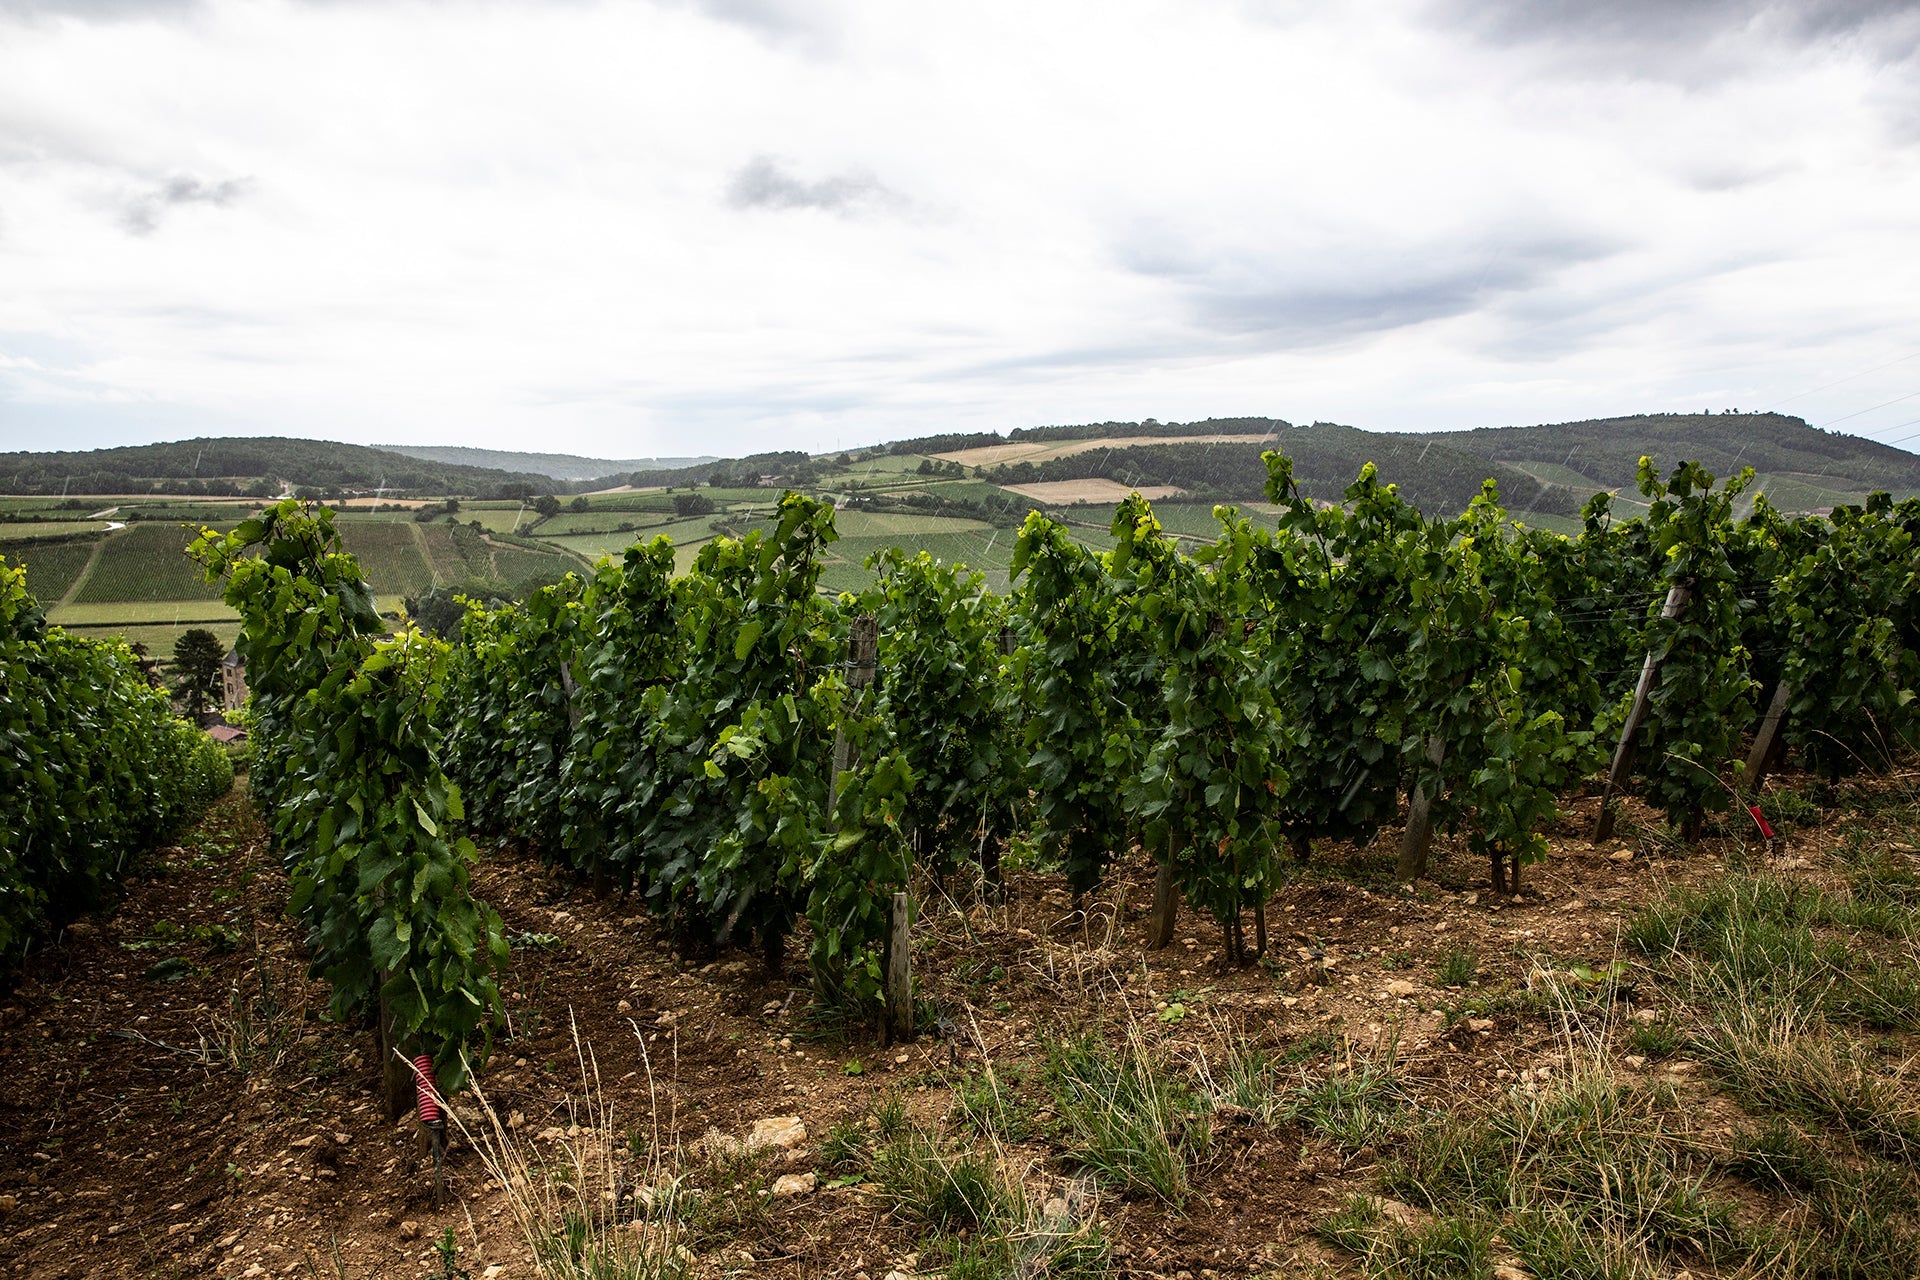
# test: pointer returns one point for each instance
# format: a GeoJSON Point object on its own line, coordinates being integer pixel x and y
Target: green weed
{"type": "Point", "coordinates": [1354, 1106]}
{"type": "Point", "coordinates": [1450, 1248]}
{"type": "Point", "coordinates": [1125, 1116]}
{"type": "Point", "coordinates": [1457, 968]}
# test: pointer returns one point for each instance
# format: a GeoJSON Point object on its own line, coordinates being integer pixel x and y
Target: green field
{"type": "Point", "coordinates": [978, 491]}
{"type": "Point", "coordinates": [146, 562]}
{"type": "Point", "coordinates": [131, 612]}
{"type": "Point", "coordinates": [659, 500]}
{"type": "Point", "coordinates": [988, 550]}
{"type": "Point", "coordinates": [36, 530]}
{"type": "Point", "coordinates": [865, 524]}
{"type": "Point", "coordinates": [877, 473]}
{"type": "Point", "coordinates": [615, 543]}
{"type": "Point", "coordinates": [498, 517]}
{"type": "Point", "coordinates": [160, 637]}
{"type": "Point", "coordinates": [573, 522]}
{"type": "Point", "coordinates": [52, 569]}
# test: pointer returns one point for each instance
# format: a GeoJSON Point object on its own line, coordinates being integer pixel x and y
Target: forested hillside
{"type": "Point", "coordinates": [555, 466]}
{"type": "Point", "coordinates": [1434, 476]}
{"type": "Point", "coordinates": [254, 466]}
{"type": "Point", "coordinates": [1607, 450]}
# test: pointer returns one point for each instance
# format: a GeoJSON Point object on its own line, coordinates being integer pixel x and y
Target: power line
{"type": "Point", "coordinates": [1801, 395]}
{"type": "Point", "coordinates": [1883, 404]}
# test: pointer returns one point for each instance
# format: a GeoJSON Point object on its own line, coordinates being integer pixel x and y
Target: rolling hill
{"type": "Point", "coordinates": [255, 466]}
{"type": "Point", "coordinates": [557, 466]}
{"type": "Point", "coordinates": [1605, 452]}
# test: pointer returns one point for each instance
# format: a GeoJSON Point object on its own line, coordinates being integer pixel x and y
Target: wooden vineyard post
{"type": "Point", "coordinates": [1677, 596]}
{"type": "Point", "coordinates": [1166, 904]}
{"type": "Point", "coordinates": [863, 647]}
{"type": "Point", "coordinates": [990, 876]}
{"type": "Point", "coordinates": [396, 1071]}
{"type": "Point", "coordinates": [989, 856]}
{"type": "Point", "coordinates": [572, 692]}
{"type": "Point", "coordinates": [896, 1015]}
{"type": "Point", "coordinates": [896, 1025]}
{"type": "Point", "coordinates": [1418, 839]}
{"type": "Point", "coordinates": [1767, 741]}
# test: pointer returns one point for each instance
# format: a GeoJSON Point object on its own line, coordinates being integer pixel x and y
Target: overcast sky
{"type": "Point", "coordinates": [715, 226]}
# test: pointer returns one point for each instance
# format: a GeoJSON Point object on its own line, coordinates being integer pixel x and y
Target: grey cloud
{"type": "Point", "coordinates": [803, 26]}
{"type": "Point", "coordinates": [1359, 291]}
{"type": "Point", "coordinates": [1682, 39]}
{"type": "Point", "coordinates": [1732, 174]}
{"type": "Point", "coordinates": [143, 213]}
{"type": "Point", "coordinates": [773, 16]}
{"type": "Point", "coordinates": [762, 184]}
{"type": "Point", "coordinates": [95, 10]}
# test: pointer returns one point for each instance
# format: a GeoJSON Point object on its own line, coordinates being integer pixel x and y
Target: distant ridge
{"type": "Point", "coordinates": [1550, 469]}
{"type": "Point", "coordinates": [1547, 470]}
{"type": "Point", "coordinates": [1607, 450]}
{"type": "Point", "coordinates": [255, 466]}
{"type": "Point", "coordinates": [557, 466]}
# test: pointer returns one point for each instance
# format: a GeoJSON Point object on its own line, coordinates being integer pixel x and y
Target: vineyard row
{"type": "Point", "coordinates": [745, 752]}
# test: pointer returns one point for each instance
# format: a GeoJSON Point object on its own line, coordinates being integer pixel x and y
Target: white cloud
{"type": "Point", "coordinates": [711, 227]}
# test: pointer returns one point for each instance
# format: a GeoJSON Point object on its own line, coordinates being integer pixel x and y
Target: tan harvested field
{"type": "Point", "coordinates": [993, 455]}
{"type": "Point", "coordinates": [1070, 492]}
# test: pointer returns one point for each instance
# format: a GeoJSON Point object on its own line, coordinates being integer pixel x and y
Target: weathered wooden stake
{"type": "Point", "coordinates": [1677, 597]}
{"type": "Point", "coordinates": [863, 647]}
{"type": "Point", "coordinates": [1166, 905]}
{"type": "Point", "coordinates": [1418, 840]}
{"type": "Point", "coordinates": [1259, 929]}
{"type": "Point", "coordinates": [896, 1015]}
{"type": "Point", "coordinates": [1761, 758]}
{"type": "Point", "coordinates": [572, 690]}
{"type": "Point", "coordinates": [396, 1069]}
{"type": "Point", "coordinates": [989, 857]}
{"type": "Point", "coordinates": [897, 1022]}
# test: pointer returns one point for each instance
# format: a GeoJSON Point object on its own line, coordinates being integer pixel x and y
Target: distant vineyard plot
{"type": "Point", "coordinates": [145, 563]}
{"type": "Point", "coordinates": [52, 568]}
{"type": "Point", "coordinates": [392, 556]}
